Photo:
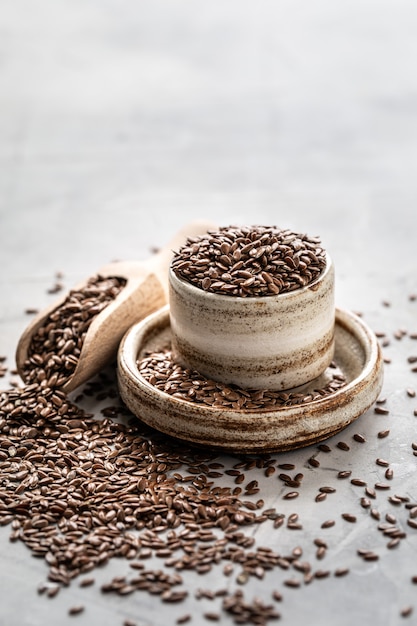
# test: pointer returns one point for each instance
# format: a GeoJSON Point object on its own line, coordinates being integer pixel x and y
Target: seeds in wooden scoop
{"type": "Point", "coordinates": [56, 346]}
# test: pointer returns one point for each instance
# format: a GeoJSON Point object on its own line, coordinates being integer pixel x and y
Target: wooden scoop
{"type": "Point", "coordinates": [145, 291]}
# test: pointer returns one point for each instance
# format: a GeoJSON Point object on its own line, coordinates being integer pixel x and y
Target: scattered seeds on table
{"type": "Point", "coordinates": [80, 490]}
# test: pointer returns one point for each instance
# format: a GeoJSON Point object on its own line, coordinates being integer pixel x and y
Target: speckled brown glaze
{"type": "Point", "coordinates": [268, 342]}
{"type": "Point", "coordinates": [357, 354]}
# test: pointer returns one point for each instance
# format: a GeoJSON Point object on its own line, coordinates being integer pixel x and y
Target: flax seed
{"type": "Point", "coordinates": [406, 611]}
{"type": "Point", "coordinates": [358, 482]}
{"type": "Point", "coordinates": [76, 610]}
{"type": "Point", "coordinates": [292, 582]}
{"type": "Point", "coordinates": [382, 486]}
{"type": "Point", "coordinates": [328, 523]}
{"type": "Point", "coordinates": [375, 514]}
{"type": "Point", "coordinates": [343, 446]}
{"type": "Point", "coordinates": [381, 410]}
{"type": "Point", "coordinates": [341, 571]}
{"type": "Point", "coordinates": [344, 474]}
{"type": "Point", "coordinates": [383, 433]}
{"type": "Point", "coordinates": [291, 495]}
{"type": "Point", "coordinates": [389, 474]}
{"type": "Point", "coordinates": [359, 438]}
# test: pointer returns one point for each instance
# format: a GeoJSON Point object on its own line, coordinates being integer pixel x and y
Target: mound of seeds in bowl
{"type": "Point", "coordinates": [250, 261]}
{"type": "Point", "coordinates": [162, 371]}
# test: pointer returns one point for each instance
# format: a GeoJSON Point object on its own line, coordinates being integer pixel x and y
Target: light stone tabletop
{"type": "Point", "coordinates": [121, 122]}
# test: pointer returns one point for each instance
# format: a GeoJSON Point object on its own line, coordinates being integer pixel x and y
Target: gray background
{"type": "Point", "coordinates": [122, 121]}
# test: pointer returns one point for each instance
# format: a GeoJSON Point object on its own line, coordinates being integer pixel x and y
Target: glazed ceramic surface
{"type": "Point", "coordinates": [270, 342]}
{"type": "Point", "coordinates": [357, 355]}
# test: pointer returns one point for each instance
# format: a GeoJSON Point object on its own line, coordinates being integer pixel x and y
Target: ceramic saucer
{"type": "Point", "coordinates": [357, 356]}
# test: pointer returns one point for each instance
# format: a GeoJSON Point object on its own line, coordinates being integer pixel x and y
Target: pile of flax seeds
{"type": "Point", "coordinates": [79, 489]}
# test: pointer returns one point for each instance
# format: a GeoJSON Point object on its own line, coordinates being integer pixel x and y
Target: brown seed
{"type": "Point", "coordinates": [341, 571]}
{"type": "Point", "coordinates": [211, 616]}
{"type": "Point", "coordinates": [342, 445]}
{"type": "Point", "coordinates": [383, 433]}
{"type": "Point", "coordinates": [359, 438]}
{"type": "Point", "coordinates": [375, 514]}
{"type": "Point", "coordinates": [358, 482]}
{"type": "Point", "coordinates": [328, 523]}
{"type": "Point", "coordinates": [344, 474]}
{"type": "Point", "coordinates": [291, 495]}
{"type": "Point", "coordinates": [396, 500]}
{"type": "Point", "coordinates": [381, 410]}
{"type": "Point", "coordinates": [292, 582]}
{"type": "Point", "coordinates": [320, 552]}
{"type": "Point", "coordinates": [327, 489]}
{"type": "Point", "coordinates": [406, 611]}
{"type": "Point", "coordinates": [349, 517]}
{"type": "Point", "coordinates": [76, 610]}
{"type": "Point", "coordinates": [370, 492]}
{"type": "Point", "coordinates": [53, 591]}
{"type": "Point", "coordinates": [286, 466]}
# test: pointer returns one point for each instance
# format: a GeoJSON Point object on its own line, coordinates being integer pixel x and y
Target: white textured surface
{"type": "Point", "coordinates": [121, 121]}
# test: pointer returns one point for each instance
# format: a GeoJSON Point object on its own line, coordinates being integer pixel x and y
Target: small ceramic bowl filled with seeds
{"type": "Point", "coordinates": [253, 307]}
{"type": "Point", "coordinates": [251, 354]}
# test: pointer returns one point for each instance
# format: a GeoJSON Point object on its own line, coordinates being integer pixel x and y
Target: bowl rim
{"type": "Point", "coordinates": [198, 292]}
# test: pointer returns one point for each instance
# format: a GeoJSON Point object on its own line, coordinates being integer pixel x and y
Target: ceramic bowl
{"type": "Point", "coordinates": [357, 359]}
{"type": "Point", "coordinates": [270, 342]}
